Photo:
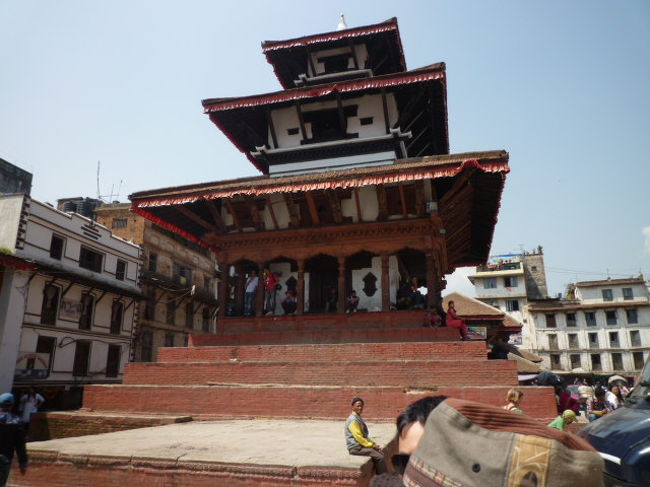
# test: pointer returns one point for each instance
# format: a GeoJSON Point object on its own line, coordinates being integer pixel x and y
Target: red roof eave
{"type": "Point", "coordinates": [16, 263]}
{"type": "Point", "coordinates": [399, 79]}
{"type": "Point", "coordinates": [448, 170]}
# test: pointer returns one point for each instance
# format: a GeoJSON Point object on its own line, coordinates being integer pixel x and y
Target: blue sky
{"type": "Point", "coordinates": [563, 86]}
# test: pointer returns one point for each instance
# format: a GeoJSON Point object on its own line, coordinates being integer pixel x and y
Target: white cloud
{"type": "Point", "coordinates": [646, 233]}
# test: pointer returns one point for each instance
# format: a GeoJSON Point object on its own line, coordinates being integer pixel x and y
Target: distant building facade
{"type": "Point", "coordinates": [69, 291]}
{"type": "Point", "coordinates": [509, 281]}
{"type": "Point", "coordinates": [179, 282]}
{"type": "Point", "coordinates": [601, 327]}
{"type": "Point", "coordinates": [14, 179]}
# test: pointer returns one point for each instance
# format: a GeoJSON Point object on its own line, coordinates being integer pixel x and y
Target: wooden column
{"type": "Point", "coordinates": [223, 290]}
{"type": "Point", "coordinates": [341, 285]}
{"type": "Point", "coordinates": [259, 295]}
{"type": "Point", "coordinates": [432, 281]}
{"type": "Point", "coordinates": [301, 287]}
{"type": "Point", "coordinates": [385, 283]}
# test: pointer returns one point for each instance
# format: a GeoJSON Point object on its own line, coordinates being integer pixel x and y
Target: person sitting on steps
{"type": "Point", "coordinates": [352, 302]}
{"type": "Point", "coordinates": [289, 303]}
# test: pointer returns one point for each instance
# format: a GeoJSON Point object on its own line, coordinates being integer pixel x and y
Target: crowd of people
{"type": "Point", "coordinates": [446, 441]}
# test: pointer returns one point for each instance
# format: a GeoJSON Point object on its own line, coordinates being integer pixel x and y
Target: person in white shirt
{"type": "Point", "coordinates": [29, 404]}
{"type": "Point", "coordinates": [249, 296]}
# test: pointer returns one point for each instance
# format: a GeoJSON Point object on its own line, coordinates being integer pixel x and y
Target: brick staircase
{"type": "Point", "coordinates": [267, 370]}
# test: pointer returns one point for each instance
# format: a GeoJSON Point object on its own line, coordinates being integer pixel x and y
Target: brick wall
{"type": "Point", "coordinates": [328, 352]}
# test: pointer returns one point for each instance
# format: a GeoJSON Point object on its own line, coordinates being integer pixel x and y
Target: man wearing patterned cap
{"type": "Point", "coordinates": [12, 438]}
{"type": "Point", "coordinates": [357, 440]}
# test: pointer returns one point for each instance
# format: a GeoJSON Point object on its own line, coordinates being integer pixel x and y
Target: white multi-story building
{"type": "Point", "coordinates": [601, 327]}
{"type": "Point", "coordinates": [508, 282]}
{"type": "Point", "coordinates": [68, 297]}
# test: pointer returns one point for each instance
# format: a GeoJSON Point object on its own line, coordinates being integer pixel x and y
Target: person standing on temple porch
{"type": "Point", "coordinates": [270, 283]}
{"type": "Point", "coordinates": [249, 296]}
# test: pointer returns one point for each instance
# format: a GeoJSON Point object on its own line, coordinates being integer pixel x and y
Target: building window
{"type": "Point", "coordinates": [182, 275]}
{"type": "Point", "coordinates": [119, 223]}
{"type": "Point", "coordinates": [120, 270]}
{"type": "Point", "coordinates": [595, 362]}
{"type": "Point", "coordinates": [117, 314]}
{"type": "Point", "coordinates": [628, 294]}
{"type": "Point", "coordinates": [552, 341]}
{"type": "Point", "coordinates": [206, 320]}
{"type": "Point", "coordinates": [189, 316]}
{"type": "Point", "coordinates": [46, 345]}
{"type": "Point", "coordinates": [56, 247]}
{"type": "Point", "coordinates": [593, 340]}
{"type": "Point", "coordinates": [611, 317]}
{"type": "Point", "coordinates": [638, 360]}
{"type": "Point", "coordinates": [510, 281]}
{"type": "Point", "coordinates": [571, 319]}
{"type": "Point", "coordinates": [590, 317]}
{"type": "Point", "coordinates": [207, 285]}
{"type": "Point", "coordinates": [171, 311]}
{"type": "Point", "coordinates": [50, 307]}
{"type": "Point", "coordinates": [91, 260]}
{"type": "Point", "coordinates": [113, 361]}
{"type": "Point", "coordinates": [635, 338]}
{"type": "Point", "coordinates": [632, 316]}
{"type": "Point", "coordinates": [87, 309]}
{"type": "Point", "coordinates": [555, 361]}
{"type": "Point", "coordinates": [575, 360]}
{"type": "Point", "coordinates": [147, 346]}
{"type": "Point", "coordinates": [573, 340]}
{"type": "Point", "coordinates": [607, 295]}
{"type": "Point", "coordinates": [490, 283]}
{"type": "Point", "coordinates": [81, 358]}
{"type": "Point", "coordinates": [153, 262]}
{"type": "Point", "coordinates": [512, 305]}
{"type": "Point", "coordinates": [617, 361]}
{"type": "Point", "coordinates": [613, 339]}
{"type": "Point", "coordinates": [150, 305]}
{"type": "Point", "coordinates": [169, 339]}
{"type": "Point", "coordinates": [550, 320]}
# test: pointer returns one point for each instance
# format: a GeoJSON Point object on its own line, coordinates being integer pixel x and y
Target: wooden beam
{"type": "Point", "coordinates": [216, 215]}
{"type": "Point", "coordinates": [313, 211]}
{"type": "Point", "coordinates": [66, 290]}
{"type": "Point", "coordinates": [231, 210]}
{"type": "Point", "coordinates": [420, 204]}
{"type": "Point", "coordinates": [342, 120]}
{"type": "Point", "coordinates": [311, 63]}
{"type": "Point", "coordinates": [269, 120]}
{"type": "Point", "coordinates": [415, 139]}
{"type": "Point", "coordinates": [294, 215]}
{"type": "Point", "coordinates": [423, 150]}
{"type": "Point", "coordinates": [196, 218]}
{"type": "Point", "coordinates": [402, 197]}
{"type": "Point", "coordinates": [255, 213]}
{"type": "Point", "coordinates": [101, 297]}
{"type": "Point", "coordinates": [269, 205]}
{"type": "Point", "coordinates": [384, 103]}
{"type": "Point", "coordinates": [129, 305]}
{"type": "Point", "coordinates": [357, 201]}
{"type": "Point", "coordinates": [458, 185]}
{"type": "Point", "coordinates": [412, 122]}
{"type": "Point", "coordinates": [335, 204]}
{"type": "Point", "coordinates": [157, 300]}
{"type": "Point", "coordinates": [303, 131]}
{"type": "Point", "coordinates": [406, 112]}
{"type": "Point", "coordinates": [382, 202]}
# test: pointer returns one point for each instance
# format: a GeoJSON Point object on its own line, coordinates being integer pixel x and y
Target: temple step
{"type": "Point", "coordinates": [418, 373]}
{"type": "Point", "coordinates": [372, 335]}
{"type": "Point", "coordinates": [327, 352]}
{"type": "Point", "coordinates": [282, 401]}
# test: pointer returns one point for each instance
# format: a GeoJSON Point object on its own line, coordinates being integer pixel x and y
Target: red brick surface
{"type": "Point", "coordinates": [368, 373]}
{"type": "Point", "coordinates": [382, 403]}
{"type": "Point", "coordinates": [328, 336]}
{"type": "Point", "coordinates": [328, 352]}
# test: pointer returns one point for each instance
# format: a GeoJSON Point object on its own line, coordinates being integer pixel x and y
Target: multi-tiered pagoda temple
{"type": "Point", "coordinates": [358, 188]}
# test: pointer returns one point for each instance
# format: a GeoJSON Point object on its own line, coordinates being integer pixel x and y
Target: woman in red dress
{"type": "Point", "coordinates": [455, 322]}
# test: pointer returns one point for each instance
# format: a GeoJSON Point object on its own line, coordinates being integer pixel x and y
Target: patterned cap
{"type": "Point", "coordinates": [469, 444]}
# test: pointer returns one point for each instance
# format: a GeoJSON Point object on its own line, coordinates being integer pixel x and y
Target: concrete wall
{"type": "Point", "coordinates": [11, 207]}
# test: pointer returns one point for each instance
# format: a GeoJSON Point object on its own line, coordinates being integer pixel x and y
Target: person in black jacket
{"type": "Point", "coordinates": [12, 438]}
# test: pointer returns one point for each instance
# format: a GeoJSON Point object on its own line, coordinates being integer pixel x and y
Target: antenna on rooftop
{"type": "Point", "coordinates": [342, 25]}
{"type": "Point", "coordinates": [107, 198]}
